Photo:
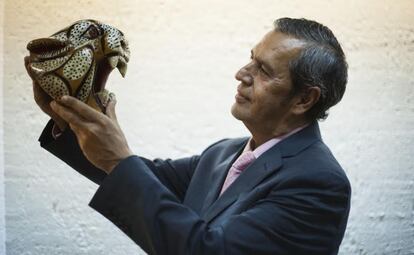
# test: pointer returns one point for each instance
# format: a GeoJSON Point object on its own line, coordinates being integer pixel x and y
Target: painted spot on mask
{"type": "Point", "coordinates": [53, 85]}
{"type": "Point", "coordinates": [78, 65]}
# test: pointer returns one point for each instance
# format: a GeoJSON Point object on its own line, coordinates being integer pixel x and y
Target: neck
{"type": "Point", "coordinates": [262, 134]}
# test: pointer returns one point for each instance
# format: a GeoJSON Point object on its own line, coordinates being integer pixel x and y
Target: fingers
{"type": "Point", "coordinates": [80, 108]}
{"type": "Point", "coordinates": [68, 115]}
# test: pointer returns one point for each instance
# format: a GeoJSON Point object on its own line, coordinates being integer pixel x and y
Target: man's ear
{"type": "Point", "coordinates": [306, 99]}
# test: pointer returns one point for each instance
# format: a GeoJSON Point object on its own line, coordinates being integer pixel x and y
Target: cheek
{"type": "Point", "coordinates": [269, 97]}
{"type": "Point", "coordinates": [262, 90]}
{"type": "Point", "coordinates": [262, 101]}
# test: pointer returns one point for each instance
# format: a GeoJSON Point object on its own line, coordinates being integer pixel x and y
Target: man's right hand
{"type": "Point", "coordinates": [43, 100]}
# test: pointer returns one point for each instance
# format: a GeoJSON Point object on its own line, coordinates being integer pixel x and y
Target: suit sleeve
{"type": "Point", "coordinates": [66, 148]}
{"type": "Point", "coordinates": [174, 174]}
{"type": "Point", "coordinates": [302, 221]}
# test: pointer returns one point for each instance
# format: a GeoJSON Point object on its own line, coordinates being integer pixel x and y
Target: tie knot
{"type": "Point", "coordinates": [244, 160]}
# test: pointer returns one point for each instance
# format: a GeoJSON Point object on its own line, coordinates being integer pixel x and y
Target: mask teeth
{"type": "Point", "coordinates": [104, 97]}
{"type": "Point", "coordinates": [37, 71]}
{"type": "Point", "coordinates": [122, 66]}
{"type": "Point", "coordinates": [113, 61]}
{"type": "Point", "coordinates": [54, 53]}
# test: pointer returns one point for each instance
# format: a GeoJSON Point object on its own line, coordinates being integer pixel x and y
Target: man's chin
{"type": "Point", "coordinates": [237, 112]}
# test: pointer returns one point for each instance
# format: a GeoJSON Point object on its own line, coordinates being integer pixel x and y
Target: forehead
{"type": "Point", "coordinates": [276, 45]}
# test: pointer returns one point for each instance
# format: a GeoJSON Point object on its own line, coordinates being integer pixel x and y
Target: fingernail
{"type": "Point", "coordinates": [63, 98]}
{"type": "Point", "coordinates": [53, 104]}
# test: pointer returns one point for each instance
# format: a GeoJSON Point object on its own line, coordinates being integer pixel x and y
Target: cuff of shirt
{"type": "Point", "coordinates": [56, 132]}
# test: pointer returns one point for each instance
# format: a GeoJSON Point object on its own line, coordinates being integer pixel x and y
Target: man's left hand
{"type": "Point", "coordinates": [99, 135]}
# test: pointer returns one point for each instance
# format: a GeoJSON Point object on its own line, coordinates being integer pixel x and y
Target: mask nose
{"type": "Point", "coordinates": [244, 76]}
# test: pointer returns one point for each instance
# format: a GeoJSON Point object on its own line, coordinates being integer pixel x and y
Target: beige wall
{"type": "Point", "coordinates": [175, 101]}
{"type": "Point", "coordinates": [2, 196]}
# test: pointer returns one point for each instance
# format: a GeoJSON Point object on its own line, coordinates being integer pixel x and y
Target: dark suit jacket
{"type": "Point", "coordinates": [294, 199]}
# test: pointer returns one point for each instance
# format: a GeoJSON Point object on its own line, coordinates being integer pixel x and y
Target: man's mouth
{"type": "Point", "coordinates": [241, 98]}
{"type": "Point", "coordinates": [240, 95]}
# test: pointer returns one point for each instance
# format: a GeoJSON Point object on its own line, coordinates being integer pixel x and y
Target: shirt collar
{"type": "Point", "coordinates": [269, 144]}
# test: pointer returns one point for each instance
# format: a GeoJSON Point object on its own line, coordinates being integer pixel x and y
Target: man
{"type": "Point", "coordinates": [281, 191]}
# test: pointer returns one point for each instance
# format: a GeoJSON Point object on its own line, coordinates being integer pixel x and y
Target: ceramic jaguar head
{"type": "Point", "coordinates": [77, 60]}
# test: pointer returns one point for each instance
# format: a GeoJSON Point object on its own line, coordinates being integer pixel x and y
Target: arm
{"type": "Point", "coordinates": [302, 221]}
{"type": "Point", "coordinates": [174, 174]}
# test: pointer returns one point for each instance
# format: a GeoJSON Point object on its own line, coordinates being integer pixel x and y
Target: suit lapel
{"type": "Point", "coordinates": [265, 165]}
{"type": "Point", "coordinates": [218, 177]}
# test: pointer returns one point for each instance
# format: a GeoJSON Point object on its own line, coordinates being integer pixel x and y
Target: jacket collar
{"type": "Point", "coordinates": [295, 143]}
{"type": "Point", "coordinates": [268, 163]}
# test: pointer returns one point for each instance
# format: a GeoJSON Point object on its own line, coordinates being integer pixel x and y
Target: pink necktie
{"type": "Point", "coordinates": [244, 160]}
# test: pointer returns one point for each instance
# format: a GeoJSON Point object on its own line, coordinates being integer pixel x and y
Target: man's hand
{"type": "Point", "coordinates": [100, 137]}
{"type": "Point", "coordinates": [43, 100]}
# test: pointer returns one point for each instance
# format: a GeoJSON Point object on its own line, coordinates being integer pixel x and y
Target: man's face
{"type": "Point", "coordinates": [263, 97]}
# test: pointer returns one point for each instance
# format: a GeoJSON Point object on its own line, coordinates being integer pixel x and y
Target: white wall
{"type": "Point", "coordinates": [176, 98]}
{"type": "Point", "coordinates": [2, 196]}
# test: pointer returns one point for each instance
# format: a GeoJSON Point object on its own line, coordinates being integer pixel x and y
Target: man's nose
{"type": "Point", "coordinates": [244, 76]}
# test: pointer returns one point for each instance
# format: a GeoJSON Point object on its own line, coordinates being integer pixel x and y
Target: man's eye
{"type": "Point", "coordinates": [262, 70]}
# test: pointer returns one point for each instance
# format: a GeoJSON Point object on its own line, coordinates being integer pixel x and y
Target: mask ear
{"type": "Point", "coordinates": [306, 99]}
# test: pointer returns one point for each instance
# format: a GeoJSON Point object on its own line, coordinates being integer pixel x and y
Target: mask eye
{"type": "Point", "coordinates": [92, 32]}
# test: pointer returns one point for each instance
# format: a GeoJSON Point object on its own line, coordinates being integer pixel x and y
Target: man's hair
{"type": "Point", "coordinates": [321, 63]}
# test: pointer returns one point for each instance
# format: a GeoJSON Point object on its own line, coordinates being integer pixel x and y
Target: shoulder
{"type": "Point", "coordinates": [316, 164]}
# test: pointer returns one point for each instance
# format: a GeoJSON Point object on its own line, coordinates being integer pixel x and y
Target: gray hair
{"type": "Point", "coordinates": [321, 63]}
